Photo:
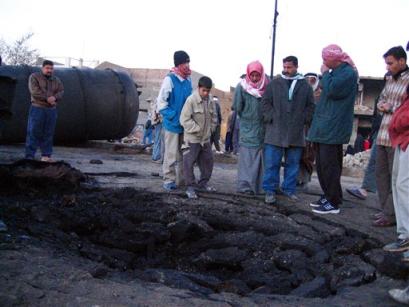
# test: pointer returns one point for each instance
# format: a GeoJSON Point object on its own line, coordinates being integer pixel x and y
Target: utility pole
{"type": "Point", "coordinates": [274, 40]}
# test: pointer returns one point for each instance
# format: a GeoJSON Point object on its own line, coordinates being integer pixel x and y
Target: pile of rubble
{"type": "Point", "coordinates": [359, 160]}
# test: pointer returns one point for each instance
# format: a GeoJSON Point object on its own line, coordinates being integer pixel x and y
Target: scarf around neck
{"type": "Point", "coordinates": [294, 79]}
{"type": "Point", "coordinates": [254, 89]}
{"type": "Point", "coordinates": [183, 73]}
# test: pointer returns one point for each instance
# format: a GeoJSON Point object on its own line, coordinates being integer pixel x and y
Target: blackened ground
{"type": "Point", "coordinates": [72, 246]}
{"type": "Point", "coordinates": [216, 244]}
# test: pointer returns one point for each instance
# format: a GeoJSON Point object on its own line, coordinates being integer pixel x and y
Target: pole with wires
{"type": "Point", "coordinates": [274, 39]}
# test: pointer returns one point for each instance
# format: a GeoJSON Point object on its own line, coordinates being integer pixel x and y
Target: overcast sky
{"type": "Point", "coordinates": [221, 37]}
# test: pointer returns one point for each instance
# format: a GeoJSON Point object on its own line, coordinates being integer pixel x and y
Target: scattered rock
{"type": "Point", "coordinates": [316, 288]}
{"type": "Point", "coordinates": [229, 257]}
{"type": "Point", "coordinates": [96, 161]}
{"type": "Point", "coordinates": [321, 257]}
{"type": "Point", "coordinates": [99, 272]}
{"type": "Point", "coordinates": [262, 290]}
{"type": "Point", "coordinates": [291, 260]}
{"type": "Point", "coordinates": [40, 214]}
{"type": "Point", "coordinates": [188, 227]}
{"type": "Point", "coordinates": [173, 279]}
{"type": "Point", "coordinates": [290, 241]}
{"type": "Point", "coordinates": [389, 264]}
{"type": "Point", "coordinates": [351, 271]}
{"type": "Point", "coordinates": [233, 286]}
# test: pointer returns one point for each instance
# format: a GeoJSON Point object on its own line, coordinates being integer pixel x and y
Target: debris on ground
{"type": "Point", "coordinates": [358, 160]}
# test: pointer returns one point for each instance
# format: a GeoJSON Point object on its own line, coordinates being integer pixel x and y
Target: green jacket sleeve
{"type": "Point", "coordinates": [238, 101]}
{"type": "Point", "coordinates": [339, 84]}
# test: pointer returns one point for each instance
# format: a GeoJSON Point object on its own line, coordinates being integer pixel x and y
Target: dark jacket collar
{"type": "Point", "coordinates": [399, 74]}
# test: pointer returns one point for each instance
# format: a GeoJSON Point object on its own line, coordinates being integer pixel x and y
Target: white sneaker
{"type": "Point", "coordinates": [401, 296]}
{"type": "Point", "coordinates": [47, 159]}
{"type": "Point", "coordinates": [190, 192]}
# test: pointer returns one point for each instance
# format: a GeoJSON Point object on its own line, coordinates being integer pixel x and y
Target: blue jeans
{"type": "Point", "coordinates": [147, 135]}
{"type": "Point", "coordinates": [157, 145]}
{"type": "Point", "coordinates": [40, 131]}
{"type": "Point", "coordinates": [272, 164]}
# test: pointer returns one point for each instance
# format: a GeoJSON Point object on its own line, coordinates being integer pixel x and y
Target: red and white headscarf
{"type": "Point", "coordinates": [335, 52]}
{"type": "Point", "coordinates": [255, 89]}
{"type": "Point", "coordinates": [182, 71]}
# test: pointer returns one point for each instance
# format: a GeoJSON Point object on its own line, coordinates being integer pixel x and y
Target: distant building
{"type": "Point", "coordinates": [368, 92]}
{"type": "Point", "coordinates": [150, 80]}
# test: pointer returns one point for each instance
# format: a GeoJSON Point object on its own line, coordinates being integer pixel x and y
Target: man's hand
{"type": "Point", "coordinates": [324, 68]}
{"type": "Point", "coordinates": [385, 107]}
{"type": "Point", "coordinates": [381, 108]}
{"type": "Point", "coordinates": [51, 100]}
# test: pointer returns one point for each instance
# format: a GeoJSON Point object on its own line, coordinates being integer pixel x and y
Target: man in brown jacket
{"type": "Point", "coordinates": [199, 120]}
{"type": "Point", "coordinates": [46, 91]}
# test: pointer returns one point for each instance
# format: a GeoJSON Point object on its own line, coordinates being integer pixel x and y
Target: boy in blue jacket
{"type": "Point", "coordinates": [175, 89]}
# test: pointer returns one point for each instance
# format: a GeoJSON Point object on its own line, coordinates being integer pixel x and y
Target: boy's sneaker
{"type": "Point", "coordinates": [47, 159]}
{"type": "Point", "coordinates": [190, 192]}
{"type": "Point", "coordinates": [207, 188]}
{"type": "Point", "coordinates": [292, 197]}
{"type": "Point", "coordinates": [326, 208]}
{"type": "Point", "coordinates": [405, 257]}
{"type": "Point", "coordinates": [399, 246]}
{"type": "Point", "coordinates": [270, 198]}
{"type": "Point", "coordinates": [318, 203]}
{"type": "Point", "coordinates": [401, 296]}
{"type": "Point", "coordinates": [3, 226]}
{"type": "Point", "coordinates": [170, 186]}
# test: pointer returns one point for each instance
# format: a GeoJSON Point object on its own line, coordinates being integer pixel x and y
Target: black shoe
{"type": "Point", "coordinates": [318, 203]}
{"type": "Point", "coordinates": [326, 208]}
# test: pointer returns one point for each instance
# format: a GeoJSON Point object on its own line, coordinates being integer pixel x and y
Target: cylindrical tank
{"type": "Point", "coordinates": [97, 104]}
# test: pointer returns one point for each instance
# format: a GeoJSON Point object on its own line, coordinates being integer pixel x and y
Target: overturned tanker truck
{"type": "Point", "coordinates": [97, 104]}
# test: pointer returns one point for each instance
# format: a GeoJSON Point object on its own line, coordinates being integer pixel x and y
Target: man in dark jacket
{"type": "Point", "coordinates": [332, 124]}
{"type": "Point", "coordinates": [288, 105]}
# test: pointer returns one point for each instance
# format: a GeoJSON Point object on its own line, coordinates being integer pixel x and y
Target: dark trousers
{"type": "Point", "coordinates": [383, 171]}
{"type": "Point", "coordinates": [228, 145]}
{"type": "Point", "coordinates": [203, 156]}
{"type": "Point", "coordinates": [369, 182]}
{"type": "Point", "coordinates": [329, 168]}
{"type": "Point", "coordinates": [215, 138]}
{"type": "Point", "coordinates": [236, 141]}
{"type": "Point", "coordinates": [40, 131]}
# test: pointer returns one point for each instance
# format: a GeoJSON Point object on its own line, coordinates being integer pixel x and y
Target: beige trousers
{"type": "Point", "coordinates": [173, 159]}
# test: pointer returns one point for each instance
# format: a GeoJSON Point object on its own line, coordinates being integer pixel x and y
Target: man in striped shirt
{"type": "Point", "coordinates": [389, 100]}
